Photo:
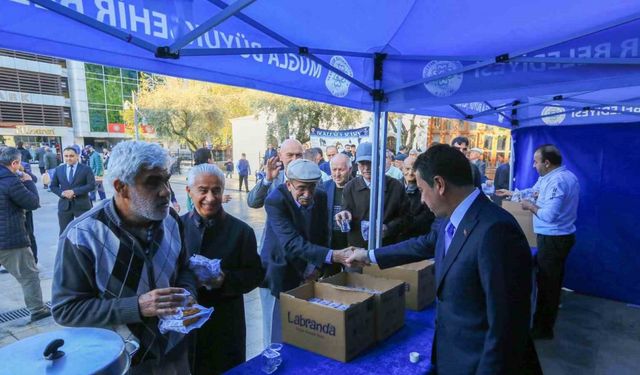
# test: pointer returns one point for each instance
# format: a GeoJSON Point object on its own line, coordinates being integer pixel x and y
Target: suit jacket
{"type": "Point", "coordinates": [483, 288]}
{"type": "Point", "coordinates": [83, 182]}
{"type": "Point", "coordinates": [291, 242]}
{"type": "Point", "coordinates": [356, 196]}
{"type": "Point", "coordinates": [501, 180]}
{"type": "Point", "coordinates": [259, 193]}
{"type": "Point", "coordinates": [329, 187]}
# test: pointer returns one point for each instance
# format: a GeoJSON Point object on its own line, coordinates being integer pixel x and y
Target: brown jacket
{"type": "Point", "coordinates": [355, 199]}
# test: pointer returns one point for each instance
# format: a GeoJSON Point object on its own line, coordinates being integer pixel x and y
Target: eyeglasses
{"type": "Point", "coordinates": [311, 188]}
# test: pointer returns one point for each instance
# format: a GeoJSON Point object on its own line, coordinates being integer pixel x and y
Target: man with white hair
{"type": "Point", "coordinates": [340, 175]}
{"type": "Point", "coordinates": [214, 234]}
{"type": "Point", "coordinates": [475, 157]}
{"type": "Point", "coordinates": [123, 264]}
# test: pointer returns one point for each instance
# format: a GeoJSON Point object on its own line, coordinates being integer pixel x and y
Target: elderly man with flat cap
{"type": "Point", "coordinates": [296, 234]}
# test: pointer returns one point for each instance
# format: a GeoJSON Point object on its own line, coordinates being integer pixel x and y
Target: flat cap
{"type": "Point", "coordinates": [303, 170]}
{"type": "Point", "coordinates": [363, 152]}
{"type": "Point", "coordinates": [476, 149]}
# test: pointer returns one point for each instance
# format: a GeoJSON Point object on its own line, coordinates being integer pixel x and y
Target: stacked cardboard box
{"type": "Point", "coordinates": [332, 332]}
{"type": "Point", "coordinates": [419, 281]}
{"type": "Point", "coordinates": [388, 296]}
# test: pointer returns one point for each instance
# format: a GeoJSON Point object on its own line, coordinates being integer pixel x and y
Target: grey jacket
{"type": "Point", "coordinates": [101, 269]}
{"type": "Point", "coordinates": [50, 160]}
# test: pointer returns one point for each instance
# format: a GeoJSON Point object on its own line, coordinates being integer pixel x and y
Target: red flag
{"type": "Point", "coordinates": [147, 129]}
{"type": "Point", "coordinates": [116, 128]}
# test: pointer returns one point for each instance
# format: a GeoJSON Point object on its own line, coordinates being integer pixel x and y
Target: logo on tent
{"type": "Point", "coordinates": [337, 85]}
{"type": "Point", "coordinates": [550, 117]}
{"type": "Point", "coordinates": [445, 86]}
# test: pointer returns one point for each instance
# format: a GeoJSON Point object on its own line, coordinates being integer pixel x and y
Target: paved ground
{"type": "Point", "coordinates": [46, 229]}
{"type": "Point", "coordinates": [593, 335]}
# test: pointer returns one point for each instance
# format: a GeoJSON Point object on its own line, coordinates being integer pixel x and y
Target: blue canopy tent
{"type": "Point", "coordinates": [547, 62]}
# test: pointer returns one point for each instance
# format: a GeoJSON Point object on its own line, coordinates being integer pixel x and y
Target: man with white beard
{"type": "Point", "coordinates": [123, 264]}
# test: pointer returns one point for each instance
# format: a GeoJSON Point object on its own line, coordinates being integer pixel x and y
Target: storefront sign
{"type": "Point", "coordinates": [35, 130]}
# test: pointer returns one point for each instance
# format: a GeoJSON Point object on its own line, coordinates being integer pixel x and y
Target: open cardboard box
{"type": "Point", "coordinates": [336, 334]}
{"type": "Point", "coordinates": [389, 304]}
{"type": "Point", "coordinates": [419, 278]}
{"type": "Point", "coordinates": [524, 218]}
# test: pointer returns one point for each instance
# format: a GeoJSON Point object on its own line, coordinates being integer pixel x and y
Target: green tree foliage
{"type": "Point", "coordinates": [191, 111]}
{"type": "Point", "coordinates": [291, 116]}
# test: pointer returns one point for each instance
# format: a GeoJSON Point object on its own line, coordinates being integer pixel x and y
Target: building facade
{"type": "Point", "coordinates": [99, 95]}
{"type": "Point", "coordinates": [493, 140]}
{"type": "Point", "coordinates": [35, 105]}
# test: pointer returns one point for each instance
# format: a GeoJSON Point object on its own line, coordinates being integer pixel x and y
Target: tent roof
{"type": "Point", "coordinates": [491, 61]}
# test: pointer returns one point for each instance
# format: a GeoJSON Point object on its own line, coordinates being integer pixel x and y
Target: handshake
{"type": "Point", "coordinates": [351, 257]}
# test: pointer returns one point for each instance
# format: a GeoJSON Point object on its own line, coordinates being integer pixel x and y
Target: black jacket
{"type": "Point", "coordinates": [356, 196]}
{"type": "Point", "coordinates": [221, 342]}
{"type": "Point", "coordinates": [26, 155]}
{"type": "Point", "coordinates": [419, 216]}
{"type": "Point", "coordinates": [15, 197]}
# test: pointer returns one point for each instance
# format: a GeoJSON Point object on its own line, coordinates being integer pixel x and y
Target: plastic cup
{"type": "Point", "coordinates": [345, 226]}
{"type": "Point", "coordinates": [272, 360]}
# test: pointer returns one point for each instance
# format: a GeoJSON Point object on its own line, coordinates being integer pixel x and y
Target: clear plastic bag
{"type": "Point", "coordinates": [185, 324]}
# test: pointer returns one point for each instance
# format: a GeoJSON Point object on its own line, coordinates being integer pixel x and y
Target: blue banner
{"type": "Point", "coordinates": [605, 158]}
{"type": "Point", "coordinates": [339, 138]}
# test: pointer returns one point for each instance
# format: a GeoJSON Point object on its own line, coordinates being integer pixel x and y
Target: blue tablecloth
{"type": "Point", "coordinates": [388, 357]}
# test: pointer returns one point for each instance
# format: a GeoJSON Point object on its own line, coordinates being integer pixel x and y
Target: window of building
{"type": "Point", "coordinates": [502, 142]}
{"type": "Point", "coordinates": [488, 142]}
{"type": "Point", "coordinates": [107, 90]}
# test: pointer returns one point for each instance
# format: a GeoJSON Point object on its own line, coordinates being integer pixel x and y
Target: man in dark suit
{"type": "Point", "coordinates": [72, 182]}
{"type": "Point", "coordinates": [296, 234]}
{"type": "Point", "coordinates": [483, 272]}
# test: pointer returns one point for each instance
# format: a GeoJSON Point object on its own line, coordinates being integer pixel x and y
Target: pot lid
{"type": "Point", "coordinates": [86, 351]}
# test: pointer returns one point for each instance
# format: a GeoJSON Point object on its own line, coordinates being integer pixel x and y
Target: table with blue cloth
{"type": "Point", "coordinates": [390, 356]}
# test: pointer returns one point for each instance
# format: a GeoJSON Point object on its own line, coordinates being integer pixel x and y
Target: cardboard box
{"type": "Point", "coordinates": [524, 218]}
{"type": "Point", "coordinates": [389, 304]}
{"type": "Point", "coordinates": [419, 281]}
{"type": "Point", "coordinates": [333, 333]}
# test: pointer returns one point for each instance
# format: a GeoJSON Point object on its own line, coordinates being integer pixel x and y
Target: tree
{"type": "Point", "coordinates": [193, 112]}
{"type": "Point", "coordinates": [296, 117]}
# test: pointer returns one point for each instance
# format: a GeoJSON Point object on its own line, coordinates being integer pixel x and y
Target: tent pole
{"type": "Point", "coordinates": [506, 57]}
{"type": "Point", "coordinates": [93, 23]}
{"type": "Point", "coordinates": [302, 50]}
{"type": "Point", "coordinates": [382, 158]}
{"type": "Point", "coordinates": [377, 152]}
{"type": "Point", "coordinates": [512, 161]}
{"type": "Point", "coordinates": [217, 19]}
{"type": "Point", "coordinates": [399, 129]}
{"type": "Point", "coordinates": [375, 160]}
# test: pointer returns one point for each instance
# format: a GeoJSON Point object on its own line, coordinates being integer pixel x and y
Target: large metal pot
{"type": "Point", "coordinates": [69, 351]}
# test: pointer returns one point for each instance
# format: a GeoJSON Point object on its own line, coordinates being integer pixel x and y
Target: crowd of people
{"type": "Point", "coordinates": [123, 263]}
